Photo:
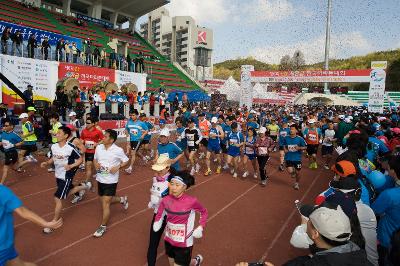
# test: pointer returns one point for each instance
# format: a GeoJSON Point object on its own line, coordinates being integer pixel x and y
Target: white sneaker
{"type": "Point", "coordinates": [82, 166]}
{"type": "Point", "coordinates": [100, 231]}
{"type": "Point", "coordinates": [33, 159]}
{"type": "Point", "coordinates": [226, 167]}
{"type": "Point", "coordinates": [296, 186]}
{"type": "Point", "coordinates": [197, 167]}
{"type": "Point", "coordinates": [234, 175]}
{"type": "Point", "coordinates": [128, 170]}
{"type": "Point", "coordinates": [326, 167]}
{"type": "Point", "coordinates": [192, 172]}
{"type": "Point", "coordinates": [255, 176]}
{"type": "Point", "coordinates": [47, 230]}
{"type": "Point", "coordinates": [125, 202]}
{"type": "Point", "coordinates": [232, 171]}
{"type": "Point", "coordinates": [88, 185]}
{"type": "Point", "coordinates": [245, 174]}
{"type": "Point", "coordinates": [198, 260]}
{"type": "Point", "coordinates": [50, 169]}
{"type": "Point", "coordinates": [76, 198]}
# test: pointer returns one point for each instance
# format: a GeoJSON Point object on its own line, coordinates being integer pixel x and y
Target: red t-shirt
{"type": "Point", "coordinates": [90, 138]}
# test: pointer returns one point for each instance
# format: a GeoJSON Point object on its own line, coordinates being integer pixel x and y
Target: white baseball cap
{"type": "Point", "coordinates": [23, 115]}
{"type": "Point", "coordinates": [214, 120]}
{"type": "Point", "coordinates": [311, 121]}
{"type": "Point", "coordinates": [331, 223]}
{"type": "Point", "coordinates": [262, 130]}
{"type": "Point", "coordinates": [165, 132]}
{"type": "Point", "coordinates": [72, 114]}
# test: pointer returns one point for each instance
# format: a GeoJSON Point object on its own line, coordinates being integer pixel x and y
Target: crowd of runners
{"type": "Point", "coordinates": [209, 141]}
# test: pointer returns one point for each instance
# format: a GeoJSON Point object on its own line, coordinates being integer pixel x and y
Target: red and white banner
{"type": "Point", "coordinates": [88, 76]}
{"type": "Point", "coordinates": [351, 75]}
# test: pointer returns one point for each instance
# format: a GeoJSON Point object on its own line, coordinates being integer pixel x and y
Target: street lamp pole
{"type": "Point", "coordinates": [328, 40]}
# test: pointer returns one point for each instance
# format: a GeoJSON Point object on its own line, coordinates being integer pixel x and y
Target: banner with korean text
{"type": "Point", "coordinates": [376, 93]}
{"type": "Point", "coordinates": [42, 75]}
{"type": "Point", "coordinates": [124, 77]}
{"type": "Point", "coordinates": [87, 76]}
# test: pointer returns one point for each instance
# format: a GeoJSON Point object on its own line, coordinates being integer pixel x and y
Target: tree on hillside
{"type": "Point", "coordinates": [286, 62]}
{"type": "Point", "coordinates": [298, 60]}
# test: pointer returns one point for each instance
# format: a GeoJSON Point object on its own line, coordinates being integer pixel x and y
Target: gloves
{"type": "Point", "coordinates": [198, 232]}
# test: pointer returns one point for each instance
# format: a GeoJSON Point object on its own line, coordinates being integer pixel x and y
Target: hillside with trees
{"type": "Point", "coordinates": [297, 62]}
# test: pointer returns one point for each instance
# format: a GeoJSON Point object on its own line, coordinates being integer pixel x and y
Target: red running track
{"type": "Point", "coordinates": [246, 222]}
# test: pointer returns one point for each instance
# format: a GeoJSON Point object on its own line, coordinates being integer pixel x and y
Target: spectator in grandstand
{"type": "Point", "coordinates": [96, 55]}
{"type": "Point", "coordinates": [129, 62]}
{"type": "Point", "coordinates": [59, 47]}
{"type": "Point", "coordinates": [28, 93]}
{"type": "Point", "coordinates": [67, 50]}
{"type": "Point", "coordinates": [16, 43]}
{"type": "Point", "coordinates": [74, 51]}
{"type": "Point", "coordinates": [88, 52]}
{"type": "Point", "coordinates": [45, 48]}
{"type": "Point", "coordinates": [32, 44]}
{"type": "Point", "coordinates": [4, 39]}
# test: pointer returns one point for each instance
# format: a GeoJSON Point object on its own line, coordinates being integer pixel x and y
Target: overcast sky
{"type": "Point", "coordinates": [269, 29]}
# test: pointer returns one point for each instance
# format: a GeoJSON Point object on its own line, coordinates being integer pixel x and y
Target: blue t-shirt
{"type": "Point", "coordinates": [181, 142]}
{"type": "Point", "coordinates": [252, 124]}
{"type": "Point", "coordinates": [283, 132]}
{"type": "Point", "coordinates": [387, 206]}
{"type": "Point", "coordinates": [172, 150]}
{"type": "Point", "coordinates": [135, 129]}
{"type": "Point", "coordinates": [9, 139]}
{"type": "Point", "coordinates": [149, 127]}
{"type": "Point", "coordinates": [374, 148]}
{"type": "Point", "coordinates": [214, 141]}
{"type": "Point", "coordinates": [8, 203]}
{"type": "Point", "coordinates": [291, 144]}
{"type": "Point", "coordinates": [234, 138]}
{"type": "Point", "coordinates": [227, 130]}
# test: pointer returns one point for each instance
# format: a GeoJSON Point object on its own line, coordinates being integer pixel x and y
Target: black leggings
{"type": "Point", "coordinates": [262, 161]}
{"type": "Point", "coordinates": [154, 241]}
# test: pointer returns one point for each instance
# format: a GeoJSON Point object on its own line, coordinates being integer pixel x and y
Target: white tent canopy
{"type": "Point", "coordinates": [232, 89]}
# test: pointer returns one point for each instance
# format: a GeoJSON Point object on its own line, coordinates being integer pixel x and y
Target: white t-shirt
{"type": "Point", "coordinates": [107, 159]}
{"type": "Point", "coordinates": [67, 154]}
{"type": "Point", "coordinates": [329, 135]}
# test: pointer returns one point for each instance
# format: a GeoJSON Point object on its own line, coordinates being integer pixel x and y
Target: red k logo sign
{"type": "Point", "coordinates": [201, 36]}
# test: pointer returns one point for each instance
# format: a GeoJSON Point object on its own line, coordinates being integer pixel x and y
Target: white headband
{"type": "Point", "coordinates": [178, 179]}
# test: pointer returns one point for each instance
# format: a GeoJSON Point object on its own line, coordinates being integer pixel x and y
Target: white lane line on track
{"type": "Point", "coordinates": [37, 193]}
{"type": "Point", "coordinates": [86, 201]}
{"type": "Point", "coordinates": [265, 255]}
{"type": "Point", "coordinates": [110, 226]}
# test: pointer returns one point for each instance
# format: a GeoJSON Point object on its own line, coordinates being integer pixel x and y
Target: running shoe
{"type": "Point", "coordinates": [89, 185]}
{"type": "Point", "coordinates": [124, 202]}
{"type": "Point", "coordinates": [100, 231]}
{"type": "Point", "coordinates": [255, 176]}
{"type": "Point", "coordinates": [311, 166]}
{"type": "Point", "coordinates": [197, 167]}
{"type": "Point", "coordinates": [208, 172]}
{"type": "Point", "coordinates": [76, 198]}
{"type": "Point", "coordinates": [20, 170]}
{"type": "Point", "coordinates": [226, 167]}
{"type": "Point", "coordinates": [281, 167]}
{"type": "Point", "coordinates": [33, 159]}
{"type": "Point", "coordinates": [296, 186]}
{"type": "Point", "coordinates": [47, 230]}
{"type": "Point", "coordinates": [232, 171]}
{"type": "Point", "coordinates": [245, 174]}
{"type": "Point", "coordinates": [82, 166]}
{"type": "Point", "coordinates": [198, 260]}
{"type": "Point", "coordinates": [263, 183]}
{"type": "Point", "coordinates": [326, 167]}
{"type": "Point", "coordinates": [218, 170]}
{"type": "Point", "coordinates": [235, 175]}
{"type": "Point", "coordinates": [51, 169]}
{"type": "Point", "coordinates": [128, 170]}
{"type": "Point", "coordinates": [315, 166]}
{"type": "Point", "coordinates": [193, 171]}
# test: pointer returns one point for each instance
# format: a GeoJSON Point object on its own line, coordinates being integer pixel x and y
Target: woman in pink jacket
{"type": "Point", "coordinates": [179, 209]}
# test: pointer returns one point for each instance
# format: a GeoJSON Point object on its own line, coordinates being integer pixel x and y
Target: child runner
{"type": "Point", "coordinates": [179, 209]}
{"type": "Point", "coordinates": [264, 146]}
{"type": "Point", "coordinates": [214, 145]}
{"type": "Point", "coordinates": [236, 141]}
{"type": "Point", "coordinates": [283, 132]}
{"type": "Point", "coordinates": [66, 159]}
{"type": "Point", "coordinates": [250, 152]}
{"type": "Point", "coordinates": [136, 130]}
{"type": "Point", "coordinates": [312, 136]}
{"type": "Point", "coordinates": [158, 190]}
{"type": "Point", "coordinates": [294, 145]}
{"type": "Point", "coordinates": [9, 141]}
{"type": "Point", "coordinates": [108, 160]}
{"type": "Point", "coordinates": [91, 137]}
{"type": "Point", "coordinates": [327, 144]}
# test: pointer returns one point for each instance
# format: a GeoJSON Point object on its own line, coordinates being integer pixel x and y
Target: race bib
{"type": "Point", "coordinates": [104, 170]}
{"type": "Point", "coordinates": [176, 232]}
{"type": "Point", "coordinates": [249, 150]}
{"type": "Point", "coordinates": [312, 137]}
{"type": "Point", "coordinates": [134, 131]}
{"type": "Point", "coordinates": [292, 148]}
{"type": "Point", "coordinates": [190, 143]}
{"type": "Point", "coordinates": [233, 141]}
{"type": "Point", "coordinates": [89, 144]}
{"type": "Point", "coordinates": [283, 133]}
